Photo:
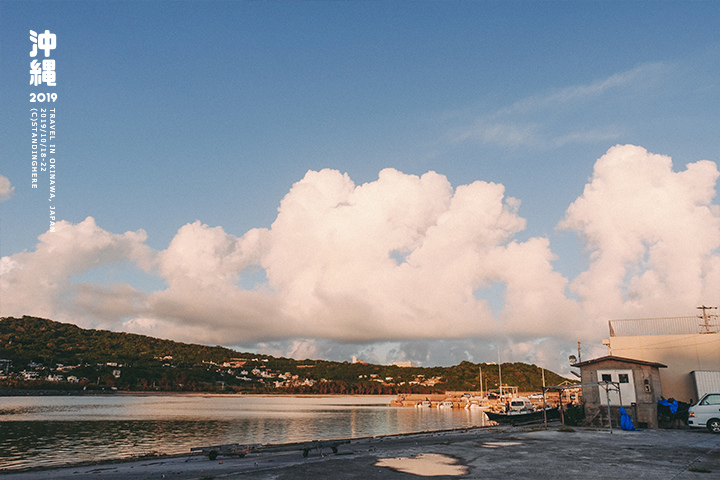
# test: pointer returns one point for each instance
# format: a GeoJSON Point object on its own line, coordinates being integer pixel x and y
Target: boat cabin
{"type": "Point", "coordinates": [520, 404]}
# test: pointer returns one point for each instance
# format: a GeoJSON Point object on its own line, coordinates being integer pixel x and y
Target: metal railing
{"type": "Point", "coordinates": [663, 326]}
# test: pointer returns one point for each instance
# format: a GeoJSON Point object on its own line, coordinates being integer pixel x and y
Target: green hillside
{"type": "Point", "coordinates": [44, 354]}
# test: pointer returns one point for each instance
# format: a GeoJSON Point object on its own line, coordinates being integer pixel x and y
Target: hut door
{"type": "Point", "coordinates": [627, 386]}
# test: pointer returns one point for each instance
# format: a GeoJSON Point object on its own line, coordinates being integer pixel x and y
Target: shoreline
{"type": "Point", "coordinates": [79, 393]}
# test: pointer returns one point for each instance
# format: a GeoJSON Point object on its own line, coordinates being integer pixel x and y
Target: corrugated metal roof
{"type": "Point", "coordinates": [706, 381]}
{"type": "Point", "coordinates": [611, 358]}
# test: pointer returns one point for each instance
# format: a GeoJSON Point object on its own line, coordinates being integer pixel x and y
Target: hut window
{"type": "Point", "coordinates": [623, 377]}
{"type": "Point", "coordinates": [606, 377]}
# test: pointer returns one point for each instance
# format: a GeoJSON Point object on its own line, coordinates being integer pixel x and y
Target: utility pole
{"type": "Point", "coordinates": [706, 318]}
{"type": "Point", "coordinates": [579, 356]}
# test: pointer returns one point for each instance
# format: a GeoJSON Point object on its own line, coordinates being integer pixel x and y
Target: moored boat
{"type": "Point", "coordinates": [477, 405]}
{"type": "Point", "coordinates": [514, 417]}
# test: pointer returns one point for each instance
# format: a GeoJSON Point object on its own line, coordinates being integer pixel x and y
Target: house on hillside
{"type": "Point", "coordinates": [621, 382]}
{"type": "Point", "coordinates": [5, 367]}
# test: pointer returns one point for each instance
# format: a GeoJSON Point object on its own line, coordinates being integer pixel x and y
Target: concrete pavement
{"type": "Point", "coordinates": [486, 453]}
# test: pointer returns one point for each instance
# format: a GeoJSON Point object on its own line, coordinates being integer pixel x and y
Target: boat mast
{"type": "Point", "coordinates": [481, 388]}
{"type": "Point", "coordinates": [500, 373]}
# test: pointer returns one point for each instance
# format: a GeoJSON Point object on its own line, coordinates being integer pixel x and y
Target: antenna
{"type": "Point", "coordinates": [706, 318]}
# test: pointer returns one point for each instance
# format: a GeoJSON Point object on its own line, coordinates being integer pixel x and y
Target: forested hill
{"type": "Point", "coordinates": [31, 339]}
{"type": "Point", "coordinates": [36, 353]}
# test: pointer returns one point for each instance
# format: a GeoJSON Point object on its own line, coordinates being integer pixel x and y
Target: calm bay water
{"type": "Point", "coordinates": [51, 431]}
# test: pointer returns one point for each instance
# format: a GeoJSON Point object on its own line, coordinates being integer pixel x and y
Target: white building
{"type": "Point", "coordinates": [687, 345]}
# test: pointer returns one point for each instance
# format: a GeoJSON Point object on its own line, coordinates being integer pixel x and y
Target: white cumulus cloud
{"type": "Point", "coordinates": [652, 235]}
{"type": "Point", "coordinates": [397, 258]}
{"type": "Point", "coordinates": [6, 188]}
{"type": "Point", "coordinates": [40, 283]}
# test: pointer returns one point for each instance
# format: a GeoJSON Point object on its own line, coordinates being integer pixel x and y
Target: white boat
{"type": "Point", "coordinates": [424, 404]}
{"type": "Point", "coordinates": [482, 404]}
{"type": "Point", "coordinates": [445, 404]}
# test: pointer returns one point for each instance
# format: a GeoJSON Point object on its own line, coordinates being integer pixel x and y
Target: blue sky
{"type": "Point", "coordinates": [170, 113]}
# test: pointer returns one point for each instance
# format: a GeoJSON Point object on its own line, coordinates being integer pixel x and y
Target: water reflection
{"type": "Point", "coordinates": [425, 465]}
{"type": "Point", "coordinates": [49, 443]}
{"type": "Point", "coordinates": [45, 431]}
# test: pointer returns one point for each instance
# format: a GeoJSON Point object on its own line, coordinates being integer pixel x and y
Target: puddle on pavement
{"type": "Point", "coordinates": [500, 444]}
{"type": "Point", "coordinates": [425, 465]}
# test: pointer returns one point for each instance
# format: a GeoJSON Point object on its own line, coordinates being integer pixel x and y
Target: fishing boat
{"type": "Point", "coordinates": [526, 416]}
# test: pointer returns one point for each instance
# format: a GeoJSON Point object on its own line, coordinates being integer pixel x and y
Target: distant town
{"type": "Point", "coordinates": [253, 371]}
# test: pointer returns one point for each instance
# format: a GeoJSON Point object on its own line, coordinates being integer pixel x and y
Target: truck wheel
{"type": "Point", "coordinates": [212, 455]}
{"type": "Point", "coordinates": [714, 425]}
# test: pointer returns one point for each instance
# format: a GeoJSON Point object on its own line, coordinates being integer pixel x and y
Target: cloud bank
{"type": "Point", "coordinates": [405, 259]}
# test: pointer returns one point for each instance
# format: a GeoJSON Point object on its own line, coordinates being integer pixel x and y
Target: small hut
{"type": "Point", "coordinates": [634, 384]}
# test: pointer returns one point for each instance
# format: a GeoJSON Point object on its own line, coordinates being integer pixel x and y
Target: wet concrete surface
{"type": "Point", "coordinates": [487, 453]}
